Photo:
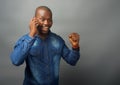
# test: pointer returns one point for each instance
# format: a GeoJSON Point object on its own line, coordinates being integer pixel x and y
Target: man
{"type": "Point", "coordinates": [42, 50]}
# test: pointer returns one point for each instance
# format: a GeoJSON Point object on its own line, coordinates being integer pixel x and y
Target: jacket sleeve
{"type": "Point", "coordinates": [21, 49]}
{"type": "Point", "coordinates": [71, 56]}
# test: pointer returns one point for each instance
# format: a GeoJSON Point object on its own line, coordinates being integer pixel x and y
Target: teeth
{"type": "Point", "coordinates": [45, 27]}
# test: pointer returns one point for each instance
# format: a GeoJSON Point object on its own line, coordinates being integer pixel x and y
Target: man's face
{"type": "Point", "coordinates": [45, 20]}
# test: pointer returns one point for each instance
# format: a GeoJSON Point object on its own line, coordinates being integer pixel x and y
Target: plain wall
{"type": "Point", "coordinates": [97, 22]}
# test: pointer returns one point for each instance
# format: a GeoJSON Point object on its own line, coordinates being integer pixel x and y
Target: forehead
{"type": "Point", "coordinates": [44, 13]}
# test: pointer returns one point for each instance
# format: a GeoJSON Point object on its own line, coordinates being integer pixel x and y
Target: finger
{"type": "Point", "coordinates": [33, 19]}
{"type": "Point", "coordinates": [70, 36]}
{"type": "Point", "coordinates": [35, 22]}
{"type": "Point", "coordinates": [75, 35]}
{"type": "Point", "coordinates": [74, 39]}
{"type": "Point", "coordinates": [70, 40]}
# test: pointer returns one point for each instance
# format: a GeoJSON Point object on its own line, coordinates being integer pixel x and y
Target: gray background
{"type": "Point", "coordinates": [98, 23]}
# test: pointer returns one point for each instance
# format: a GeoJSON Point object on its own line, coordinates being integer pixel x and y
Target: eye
{"type": "Point", "coordinates": [50, 20]}
{"type": "Point", "coordinates": [41, 19]}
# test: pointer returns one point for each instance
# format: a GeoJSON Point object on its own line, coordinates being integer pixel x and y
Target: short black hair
{"type": "Point", "coordinates": [43, 7]}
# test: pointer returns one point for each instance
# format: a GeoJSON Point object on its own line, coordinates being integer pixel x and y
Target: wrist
{"type": "Point", "coordinates": [75, 46]}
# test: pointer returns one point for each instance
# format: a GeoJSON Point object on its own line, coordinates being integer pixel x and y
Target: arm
{"type": "Point", "coordinates": [21, 50]}
{"type": "Point", "coordinates": [70, 56]}
{"type": "Point", "coordinates": [23, 45]}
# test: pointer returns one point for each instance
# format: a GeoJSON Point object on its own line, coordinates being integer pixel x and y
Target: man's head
{"type": "Point", "coordinates": [44, 15]}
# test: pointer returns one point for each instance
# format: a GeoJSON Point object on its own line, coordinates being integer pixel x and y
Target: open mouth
{"type": "Point", "coordinates": [45, 29]}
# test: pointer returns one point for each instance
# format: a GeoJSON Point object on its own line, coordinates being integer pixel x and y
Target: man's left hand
{"type": "Point", "coordinates": [74, 40]}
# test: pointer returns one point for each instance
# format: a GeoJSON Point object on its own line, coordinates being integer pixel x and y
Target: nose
{"type": "Point", "coordinates": [46, 22]}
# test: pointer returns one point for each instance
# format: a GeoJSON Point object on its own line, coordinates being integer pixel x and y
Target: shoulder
{"type": "Point", "coordinates": [56, 37]}
{"type": "Point", "coordinates": [56, 40]}
{"type": "Point", "coordinates": [23, 37]}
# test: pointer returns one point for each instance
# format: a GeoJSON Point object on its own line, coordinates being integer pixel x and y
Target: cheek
{"type": "Point", "coordinates": [51, 23]}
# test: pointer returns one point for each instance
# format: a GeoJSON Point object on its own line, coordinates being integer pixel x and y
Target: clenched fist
{"type": "Point", "coordinates": [74, 40]}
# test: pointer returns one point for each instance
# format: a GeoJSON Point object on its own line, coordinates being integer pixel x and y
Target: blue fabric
{"type": "Point", "coordinates": [42, 58]}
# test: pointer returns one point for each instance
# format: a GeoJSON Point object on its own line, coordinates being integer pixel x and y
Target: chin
{"type": "Point", "coordinates": [44, 32]}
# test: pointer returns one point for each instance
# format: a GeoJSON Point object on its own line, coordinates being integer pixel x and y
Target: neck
{"type": "Point", "coordinates": [43, 36]}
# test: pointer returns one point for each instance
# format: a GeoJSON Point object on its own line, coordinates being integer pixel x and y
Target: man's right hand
{"type": "Point", "coordinates": [32, 25]}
